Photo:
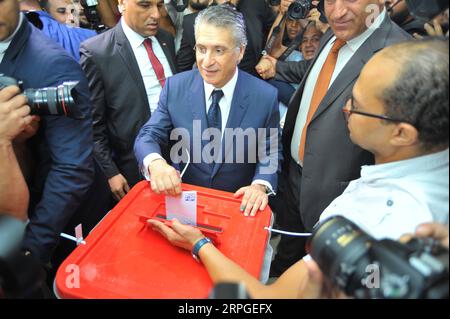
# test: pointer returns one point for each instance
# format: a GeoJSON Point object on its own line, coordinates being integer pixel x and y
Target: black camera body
{"type": "Point", "coordinates": [48, 101]}
{"type": "Point", "coordinates": [92, 15]}
{"type": "Point", "coordinates": [364, 267]}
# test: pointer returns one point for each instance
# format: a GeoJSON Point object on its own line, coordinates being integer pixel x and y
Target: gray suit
{"type": "Point", "coordinates": [331, 160]}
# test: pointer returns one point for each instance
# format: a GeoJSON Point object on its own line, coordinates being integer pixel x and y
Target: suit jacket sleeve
{"type": "Point", "coordinates": [102, 150]}
{"type": "Point", "coordinates": [156, 132]}
{"type": "Point", "coordinates": [186, 55]}
{"type": "Point", "coordinates": [69, 144]}
{"type": "Point", "coordinates": [270, 153]}
{"type": "Point", "coordinates": [291, 72]}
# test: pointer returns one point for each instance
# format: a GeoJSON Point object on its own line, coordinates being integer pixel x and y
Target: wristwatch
{"type": "Point", "coordinates": [198, 245]}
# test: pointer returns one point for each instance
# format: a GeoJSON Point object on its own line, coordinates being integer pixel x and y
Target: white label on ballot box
{"type": "Point", "coordinates": [183, 208]}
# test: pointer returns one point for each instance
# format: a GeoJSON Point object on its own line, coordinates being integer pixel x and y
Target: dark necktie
{"type": "Point", "coordinates": [157, 66]}
{"type": "Point", "coordinates": [214, 113]}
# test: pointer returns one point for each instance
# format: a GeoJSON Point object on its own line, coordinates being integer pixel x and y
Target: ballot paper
{"type": "Point", "coordinates": [183, 208]}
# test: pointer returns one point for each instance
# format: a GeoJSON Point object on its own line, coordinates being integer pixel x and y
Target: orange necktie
{"type": "Point", "coordinates": [320, 90]}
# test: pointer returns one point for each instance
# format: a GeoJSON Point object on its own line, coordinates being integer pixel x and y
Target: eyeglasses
{"type": "Point", "coordinates": [215, 52]}
{"type": "Point", "coordinates": [349, 111]}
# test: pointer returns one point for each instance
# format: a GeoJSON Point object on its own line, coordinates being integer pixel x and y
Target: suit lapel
{"type": "Point", "coordinates": [197, 103]}
{"type": "Point", "coordinates": [239, 107]}
{"type": "Point", "coordinates": [294, 104]}
{"type": "Point", "coordinates": [126, 52]}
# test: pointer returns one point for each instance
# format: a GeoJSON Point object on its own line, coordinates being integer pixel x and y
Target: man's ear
{"type": "Point", "coordinates": [405, 134]}
{"type": "Point", "coordinates": [121, 5]}
{"type": "Point", "coordinates": [241, 53]}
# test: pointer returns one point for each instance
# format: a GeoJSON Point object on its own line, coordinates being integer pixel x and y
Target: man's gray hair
{"type": "Point", "coordinates": [224, 16]}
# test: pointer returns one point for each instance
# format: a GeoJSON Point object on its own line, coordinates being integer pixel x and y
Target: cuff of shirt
{"type": "Point", "coordinates": [147, 161]}
{"type": "Point", "coordinates": [264, 183]}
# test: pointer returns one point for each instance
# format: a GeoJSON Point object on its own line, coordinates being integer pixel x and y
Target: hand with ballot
{"type": "Point", "coordinates": [164, 178]}
{"type": "Point", "coordinates": [183, 236]}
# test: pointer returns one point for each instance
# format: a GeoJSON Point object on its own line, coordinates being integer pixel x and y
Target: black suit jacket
{"type": "Point", "coordinates": [119, 98]}
{"type": "Point", "coordinates": [258, 20]}
{"type": "Point", "coordinates": [331, 159]}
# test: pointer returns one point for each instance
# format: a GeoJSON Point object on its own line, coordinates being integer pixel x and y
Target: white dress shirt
{"type": "Point", "coordinates": [390, 200]}
{"type": "Point", "coordinates": [225, 108]}
{"type": "Point", "coordinates": [345, 54]}
{"type": "Point", "coordinates": [4, 45]}
{"type": "Point", "coordinates": [151, 82]}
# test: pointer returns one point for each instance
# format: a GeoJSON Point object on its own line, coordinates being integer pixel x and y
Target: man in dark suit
{"type": "Point", "coordinates": [258, 20]}
{"type": "Point", "coordinates": [127, 67]}
{"type": "Point", "coordinates": [62, 147]}
{"type": "Point", "coordinates": [218, 108]}
{"type": "Point", "coordinates": [320, 158]}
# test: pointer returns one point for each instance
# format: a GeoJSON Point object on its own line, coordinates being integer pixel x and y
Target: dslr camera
{"type": "Point", "coordinates": [364, 267]}
{"type": "Point", "coordinates": [49, 101]}
{"type": "Point", "coordinates": [299, 9]}
{"type": "Point", "coordinates": [92, 15]}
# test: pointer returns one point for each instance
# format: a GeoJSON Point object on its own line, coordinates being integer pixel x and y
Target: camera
{"type": "Point", "coordinates": [48, 101]}
{"type": "Point", "coordinates": [426, 10]}
{"type": "Point", "coordinates": [20, 273]}
{"type": "Point", "coordinates": [364, 267]}
{"type": "Point", "coordinates": [92, 15]}
{"type": "Point", "coordinates": [298, 10]}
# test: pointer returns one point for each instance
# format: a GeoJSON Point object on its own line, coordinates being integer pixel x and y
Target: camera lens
{"type": "Point", "coordinates": [299, 9]}
{"type": "Point", "coordinates": [54, 100]}
{"type": "Point", "coordinates": [340, 248]}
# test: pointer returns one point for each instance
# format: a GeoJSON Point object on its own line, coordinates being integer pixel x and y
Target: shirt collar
{"type": "Point", "coordinates": [227, 89]}
{"type": "Point", "coordinates": [4, 45]}
{"type": "Point", "coordinates": [407, 167]}
{"type": "Point", "coordinates": [133, 37]}
{"type": "Point", "coordinates": [355, 43]}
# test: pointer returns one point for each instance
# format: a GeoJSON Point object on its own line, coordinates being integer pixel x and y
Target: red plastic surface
{"type": "Point", "coordinates": [123, 258]}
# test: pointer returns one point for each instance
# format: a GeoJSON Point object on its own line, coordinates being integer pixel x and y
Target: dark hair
{"type": "Point", "coordinates": [420, 95]}
{"type": "Point", "coordinates": [44, 4]}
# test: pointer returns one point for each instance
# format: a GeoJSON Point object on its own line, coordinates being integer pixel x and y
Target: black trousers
{"type": "Point", "coordinates": [287, 206]}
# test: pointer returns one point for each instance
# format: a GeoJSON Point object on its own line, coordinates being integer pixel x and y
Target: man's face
{"type": "Point", "coordinates": [198, 4]}
{"type": "Point", "coordinates": [370, 133]}
{"type": "Point", "coordinates": [217, 55]}
{"type": "Point", "coordinates": [233, 2]}
{"type": "Point", "coordinates": [293, 28]}
{"type": "Point", "coordinates": [9, 18]}
{"type": "Point", "coordinates": [350, 18]}
{"type": "Point", "coordinates": [63, 11]}
{"type": "Point", "coordinates": [143, 15]}
{"type": "Point", "coordinates": [310, 43]}
{"type": "Point", "coordinates": [79, 10]}
{"type": "Point", "coordinates": [399, 12]}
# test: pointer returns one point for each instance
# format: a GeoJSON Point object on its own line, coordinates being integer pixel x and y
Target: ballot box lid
{"type": "Point", "coordinates": [124, 258]}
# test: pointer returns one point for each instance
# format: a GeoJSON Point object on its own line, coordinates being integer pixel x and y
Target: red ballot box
{"type": "Point", "coordinates": [123, 258]}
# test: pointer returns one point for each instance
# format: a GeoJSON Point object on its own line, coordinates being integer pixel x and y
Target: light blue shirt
{"type": "Point", "coordinates": [390, 200]}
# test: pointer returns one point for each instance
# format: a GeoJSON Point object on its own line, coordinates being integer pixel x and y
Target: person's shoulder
{"type": "Point", "coordinates": [184, 78]}
{"type": "Point", "coordinates": [263, 88]}
{"type": "Point", "coordinates": [396, 34]}
{"type": "Point", "coordinates": [100, 41]}
{"type": "Point", "coordinates": [45, 50]}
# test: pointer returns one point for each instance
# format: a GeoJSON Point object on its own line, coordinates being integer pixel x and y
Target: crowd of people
{"type": "Point", "coordinates": [342, 111]}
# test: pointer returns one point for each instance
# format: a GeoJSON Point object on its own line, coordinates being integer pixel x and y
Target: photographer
{"type": "Point", "coordinates": [402, 118]}
{"type": "Point", "coordinates": [14, 119]}
{"type": "Point", "coordinates": [62, 147]}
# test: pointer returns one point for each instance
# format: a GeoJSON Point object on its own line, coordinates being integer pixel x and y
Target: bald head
{"type": "Point", "coordinates": [416, 88]}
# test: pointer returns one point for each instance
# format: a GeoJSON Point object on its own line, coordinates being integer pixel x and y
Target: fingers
{"type": "Point", "coordinates": [264, 204]}
{"type": "Point", "coordinates": [240, 192]}
{"type": "Point", "coordinates": [9, 92]}
{"type": "Point", "coordinates": [436, 231]}
{"type": "Point", "coordinates": [245, 200]}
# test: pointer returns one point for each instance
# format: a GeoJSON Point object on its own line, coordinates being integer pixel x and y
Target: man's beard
{"type": "Point", "coordinates": [198, 6]}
